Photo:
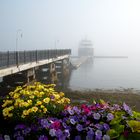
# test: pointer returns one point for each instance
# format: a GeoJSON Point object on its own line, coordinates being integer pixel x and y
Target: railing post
{"type": "Point", "coordinates": [24, 56]}
{"type": "Point", "coordinates": [36, 56]}
{"type": "Point", "coordinates": [8, 59]}
{"type": "Point", "coordinates": [30, 56]}
{"type": "Point", "coordinates": [17, 58]}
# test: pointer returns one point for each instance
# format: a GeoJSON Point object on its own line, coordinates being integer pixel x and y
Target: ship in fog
{"type": "Point", "coordinates": [85, 48]}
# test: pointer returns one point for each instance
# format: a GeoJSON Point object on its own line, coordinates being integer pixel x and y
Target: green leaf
{"type": "Point", "coordinates": [115, 121]}
{"type": "Point", "coordinates": [136, 115]}
{"type": "Point", "coordinates": [119, 113]}
{"type": "Point", "coordinates": [134, 125]}
{"type": "Point", "coordinates": [113, 133]}
{"type": "Point", "coordinates": [119, 128]}
{"type": "Point", "coordinates": [134, 136]}
{"type": "Point", "coordinates": [122, 138]}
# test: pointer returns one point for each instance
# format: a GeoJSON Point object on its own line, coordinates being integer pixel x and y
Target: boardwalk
{"type": "Point", "coordinates": [14, 62]}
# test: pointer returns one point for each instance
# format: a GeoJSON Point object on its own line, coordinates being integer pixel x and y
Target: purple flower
{"type": "Point", "coordinates": [116, 107]}
{"type": "Point", "coordinates": [106, 126]}
{"type": "Point", "coordinates": [67, 133]}
{"type": "Point", "coordinates": [52, 97]}
{"type": "Point", "coordinates": [44, 123]}
{"type": "Point", "coordinates": [90, 135]}
{"type": "Point", "coordinates": [84, 118]}
{"type": "Point", "coordinates": [20, 138]}
{"type": "Point", "coordinates": [98, 133]}
{"type": "Point", "coordinates": [34, 127]}
{"type": "Point", "coordinates": [127, 109]}
{"type": "Point", "coordinates": [78, 137]}
{"type": "Point", "coordinates": [52, 132]}
{"type": "Point", "coordinates": [42, 137]}
{"type": "Point", "coordinates": [26, 131]}
{"type": "Point", "coordinates": [110, 116]}
{"type": "Point", "coordinates": [98, 137]}
{"type": "Point", "coordinates": [71, 112]}
{"type": "Point", "coordinates": [58, 133]}
{"type": "Point", "coordinates": [20, 126]}
{"type": "Point", "coordinates": [96, 116]}
{"type": "Point", "coordinates": [72, 121]}
{"type": "Point", "coordinates": [64, 124]}
{"type": "Point", "coordinates": [106, 137]}
{"type": "Point", "coordinates": [76, 110]}
{"type": "Point", "coordinates": [79, 127]}
{"type": "Point", "coordinates": [99, 126]}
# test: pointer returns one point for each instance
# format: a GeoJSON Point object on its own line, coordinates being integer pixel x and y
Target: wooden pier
{"type": "Point", "coordinates": [47, 66]}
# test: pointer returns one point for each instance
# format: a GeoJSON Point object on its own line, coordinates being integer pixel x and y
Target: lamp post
{"type": "Point", "coordinates": [17, 36]}
{"type": "Point", "coordinates": [19, 32]}
{"type": "Point", "coordinates": [55, 45]}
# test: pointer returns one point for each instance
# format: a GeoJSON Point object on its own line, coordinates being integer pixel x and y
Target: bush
{"type": "Point", "coordinates": [29, 102]}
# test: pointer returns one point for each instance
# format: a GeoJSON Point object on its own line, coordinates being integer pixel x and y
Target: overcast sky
{"type": "Point", "coordinates": [112, 25]}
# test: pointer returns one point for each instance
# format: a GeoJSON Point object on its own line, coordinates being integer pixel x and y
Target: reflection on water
{"type": "Point", "coordinates": [107, 74]}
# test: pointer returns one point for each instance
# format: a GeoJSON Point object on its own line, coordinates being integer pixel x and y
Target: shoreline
{"type": "Point", "coordinates": [129, 96]}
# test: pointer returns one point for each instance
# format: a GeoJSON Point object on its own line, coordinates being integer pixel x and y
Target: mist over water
{"type": "Point", "coordinates": [107, 73]}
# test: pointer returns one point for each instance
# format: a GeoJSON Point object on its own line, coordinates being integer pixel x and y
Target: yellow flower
{"type": "Point", "coordinates": [25, 112]}
{"type": "Point", "coordinates": [62, 94]}
{"type": "Point", "coordinates": [34, 109]}
{"type": "Point", "coordinates": [26, 104]}
{"type": "Point", "coordinates": [40, 87]}
{"type": "Point", "coordinates": [56, 96]}
{"type": "Point", "coordinates": [42, 106]}
{"type": "Point", "coordinates": [5, 112]}
{"type": "Point", "coordinates": [42, 93]}
{"type": "Point", "coordinates": [11, 94]}
{"type": "Point", "coordinates": [38, 103]}
{"type": "Point", "coordinates": [18, 88]}
{"type": "Point", "coordinates": [67, 100]}
{"type": "Point", "coordinates": [10, 115]}
{"type": "Point", "coordinates": [46, 100]}
{"type": "Point", "coordinates": [31, 96]}
{"type": "Point", "coordinates": [29, 111]}
{"type": "Point", "coordinates": [11, 108]}
{"type": "Point", "coordinates": [59, 102]}
{"type": "Point", "coordinates": [16, 95]}
{"type": "Point", "coordinates": [7, 102]}
{"type": "Point", "coordinates": [44, 110]}
{"type": "Point", "coordinates": [29, 102]}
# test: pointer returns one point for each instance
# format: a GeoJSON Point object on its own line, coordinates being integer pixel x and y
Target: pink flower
{"type": "Point", "coordinates": [56, 125]}
{"type": "Point", "coordinates": [83, 106]}
{"type": "Point", "coordinates": [86, 111]}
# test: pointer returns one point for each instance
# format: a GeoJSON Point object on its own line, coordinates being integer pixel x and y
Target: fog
{"type": "Point", "coordinates": [112, 25]}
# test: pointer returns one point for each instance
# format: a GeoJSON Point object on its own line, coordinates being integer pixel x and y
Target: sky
{"type": "Point", "coordinates": [112, 25]}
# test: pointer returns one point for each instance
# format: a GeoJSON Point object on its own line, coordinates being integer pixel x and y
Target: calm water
{"type": "Point", "coordinates": [107, 73]}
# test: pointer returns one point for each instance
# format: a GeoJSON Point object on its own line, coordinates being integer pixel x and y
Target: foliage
{"type": "Point", "coordinates": [32, 101]}
{"type": "Point", "coordinates": [61, 121]}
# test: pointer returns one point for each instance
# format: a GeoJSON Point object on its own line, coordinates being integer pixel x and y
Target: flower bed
{"type": "Point", "coordinates": [59, 120]}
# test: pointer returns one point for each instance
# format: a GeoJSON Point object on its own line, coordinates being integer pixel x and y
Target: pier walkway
{"type": "Point", "coordinates": [14, 62]}
{"type": "Point", "coordinates": [78, 61]}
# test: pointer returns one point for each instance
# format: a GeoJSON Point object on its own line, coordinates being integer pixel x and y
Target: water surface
{"type": "Point", "coordinates": [107, 73]}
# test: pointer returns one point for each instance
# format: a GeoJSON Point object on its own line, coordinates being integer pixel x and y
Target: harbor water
{"type": "Point", "coordinates": [107, 73]}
